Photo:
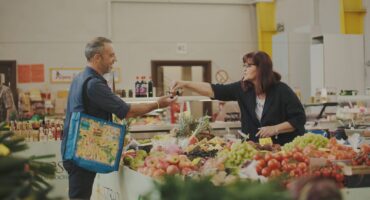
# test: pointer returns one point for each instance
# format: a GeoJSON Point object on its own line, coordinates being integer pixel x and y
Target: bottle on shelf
{"type": "Point", "coordinates": [130, 93]}
{"type": "Point", "coordinates": [150, 87]}
{"type": "Point", "coordinates": [137, 87]}
{"type": "Point", "coordinates": [143, 87]}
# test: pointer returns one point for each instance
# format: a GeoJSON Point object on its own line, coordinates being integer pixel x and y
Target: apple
{"type": "Point", "coordinates": [158, 173]}
{"type": "Point", "coordinates": [172, 169]}
{"type": "Point", "coordinates": [151, 171]}
{"type": "Point", "coordinates": [183, 158]}
{"type": "Point", "coordinates": [186, 170]}
{"type": "Point", "coordinates": [185, 164]}
{"type": "Point", "coordinates": [173, 159]}
{"type": "Point", "coordinates": [162, 164]}
{"type": "Point", "coordinates": [151, 161]}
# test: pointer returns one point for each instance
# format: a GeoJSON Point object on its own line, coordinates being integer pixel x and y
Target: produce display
{"type": "Point", "coordinates": [237, 154]}
{"type": "Point", "coordinates": [134, 159]}
{"type": "Point", "coordinates": [329, 171]}
{"type": "Point", "coordinates": [224, 161]}
{"type": "Point", "coordinates": [318, 141]}
{"type": "Point", "coordinates": [276, 164]}
{"type": "Point", "coordinates": [159, 164]}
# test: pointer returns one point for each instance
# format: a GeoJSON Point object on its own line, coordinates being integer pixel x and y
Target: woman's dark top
{"type": "Point", "coordinates": [281, 104]}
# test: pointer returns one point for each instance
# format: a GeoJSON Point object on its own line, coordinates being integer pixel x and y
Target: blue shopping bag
{"type": "Point", "coordinates": [94, 144]}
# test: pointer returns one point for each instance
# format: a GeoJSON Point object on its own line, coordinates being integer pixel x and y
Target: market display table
{"type": "Point", "coordinates": [127, 184]}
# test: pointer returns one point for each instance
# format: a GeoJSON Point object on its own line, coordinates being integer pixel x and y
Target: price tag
{"type": "Point", "coordinates": [265, 141]}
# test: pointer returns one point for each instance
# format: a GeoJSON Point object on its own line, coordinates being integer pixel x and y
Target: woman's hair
{"type": "Point", "coordinates": [265, 74]}
{"type": "Point", "coordinates": [247, 56]}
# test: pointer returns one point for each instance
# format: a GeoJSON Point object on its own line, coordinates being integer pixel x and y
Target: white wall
{"type": "Point", "coordinates": [221, 33]}
{"type": "Point", "coordinates": [294, 13]}
{"type": "Point", "coordinates": [291, 57]}
{"type": "Point", "coordinates": [317, 16]}
{"type": "Point", "coordinates": [55, 32]}
{"type": "Point", "coordinates": [51, 32]}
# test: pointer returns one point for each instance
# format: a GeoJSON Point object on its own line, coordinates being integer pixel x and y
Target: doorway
{"type": "Point", "coordinates": [8, 73]}
{"type": "Point", "coordinates": [164, 71]}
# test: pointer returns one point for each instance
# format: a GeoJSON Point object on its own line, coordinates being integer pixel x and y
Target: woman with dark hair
{"type": "Point", "coordinates": [269, 107]}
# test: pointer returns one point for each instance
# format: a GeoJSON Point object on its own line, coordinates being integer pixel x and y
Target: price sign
{"type": "Point", "coordinates": [265, 141]}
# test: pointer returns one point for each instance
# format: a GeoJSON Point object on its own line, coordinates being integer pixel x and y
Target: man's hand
{"type": "Point", "coordinates": [165, 101]}
{"type": "Point", "coordinates": [267, 131]}
{"type": "Point", "coordinates": [177, 85]}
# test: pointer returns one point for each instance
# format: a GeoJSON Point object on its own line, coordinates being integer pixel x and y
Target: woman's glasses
{"type": "Point", "coordinates": [246, 65]}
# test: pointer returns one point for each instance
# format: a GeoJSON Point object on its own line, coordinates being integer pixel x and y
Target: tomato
{"type": "Point", "coordinates": [302, 166]}
{"type": "Point", "coordinates": [298, 156]}
{"type": "Point", "coordinates": [257, 157]}
{"type": "Point", "coordinates": [317, 173]}
{"type": "Point", "coordinates": [289, 155]}
{"type": "Point", "coordinates": [325, 172]}
{"type": "Point", "coordinates": [296, 149]}
{"type": "Point", "coordinates": [258, 169]}
{"type": "Point", "coordinates": [298, 172]}
{"type": "Point", "coordinates": [265, 172]}
{"type": "Point", "coordinates": [261, 163]}
{"type": "Point", "coordinates": [284, 162]}
{"type": "Point", "coordinates": [292, 166]}
{"type": "Point", "coordinates": [279, 157]}
{"type": "Point", "coordinates": [275, 173]}
{"type": "Point", "coordinates": [354, 163]}
{"type": "Point", "coordinates": [273, 164]}
{"type": "Point", "coordinates": [268, 157]}
{"type": "Point", "coordinates": [333, 174]}
{"type": "Point", "coordinates": [285, 168]}
{"type": "Point", "coordinates": [339, 178]}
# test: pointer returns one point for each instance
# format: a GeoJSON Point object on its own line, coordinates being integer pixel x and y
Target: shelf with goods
{"type": "Point", "coordinates": [354, 114]}
{"type": "Point", "coordinates": [353, 98]}
{"type": "Point", "coordinates": [38, 130]}
{"type": "Point", "coordinates": [168, 127]}
{"type": "Point", "coordinates": [154, 99]}
{"type": "Point", "coordinates": [349, 111]}
{"type": "Point", "coordinates": [165, 126]}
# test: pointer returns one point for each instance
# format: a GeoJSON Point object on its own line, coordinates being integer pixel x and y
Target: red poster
{"type": "Point", "coordinates": [37, 73]}
{"type": "Point", "coordinates": [24, 73]}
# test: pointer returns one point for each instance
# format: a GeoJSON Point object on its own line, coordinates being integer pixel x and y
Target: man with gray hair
{"type": "Point", "coordinates": [89, 93]}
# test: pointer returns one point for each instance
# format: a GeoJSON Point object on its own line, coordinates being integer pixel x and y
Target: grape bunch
{"type": "Point", "coordinates": [237, 154]}
{"type": "Point", "coordinates": [318, 141]}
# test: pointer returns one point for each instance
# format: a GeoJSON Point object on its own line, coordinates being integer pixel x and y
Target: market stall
{"type": "Point", "coordinates": [226, 160]}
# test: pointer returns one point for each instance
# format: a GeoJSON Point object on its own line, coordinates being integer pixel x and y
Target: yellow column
{"type": "Point", "coordinates": [265, 25]}
{"type": "Point", "coordinates": [352, 16]}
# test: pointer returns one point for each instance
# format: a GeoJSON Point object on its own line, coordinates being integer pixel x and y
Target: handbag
{"type": "Point", "coordinates": [94, 144]}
